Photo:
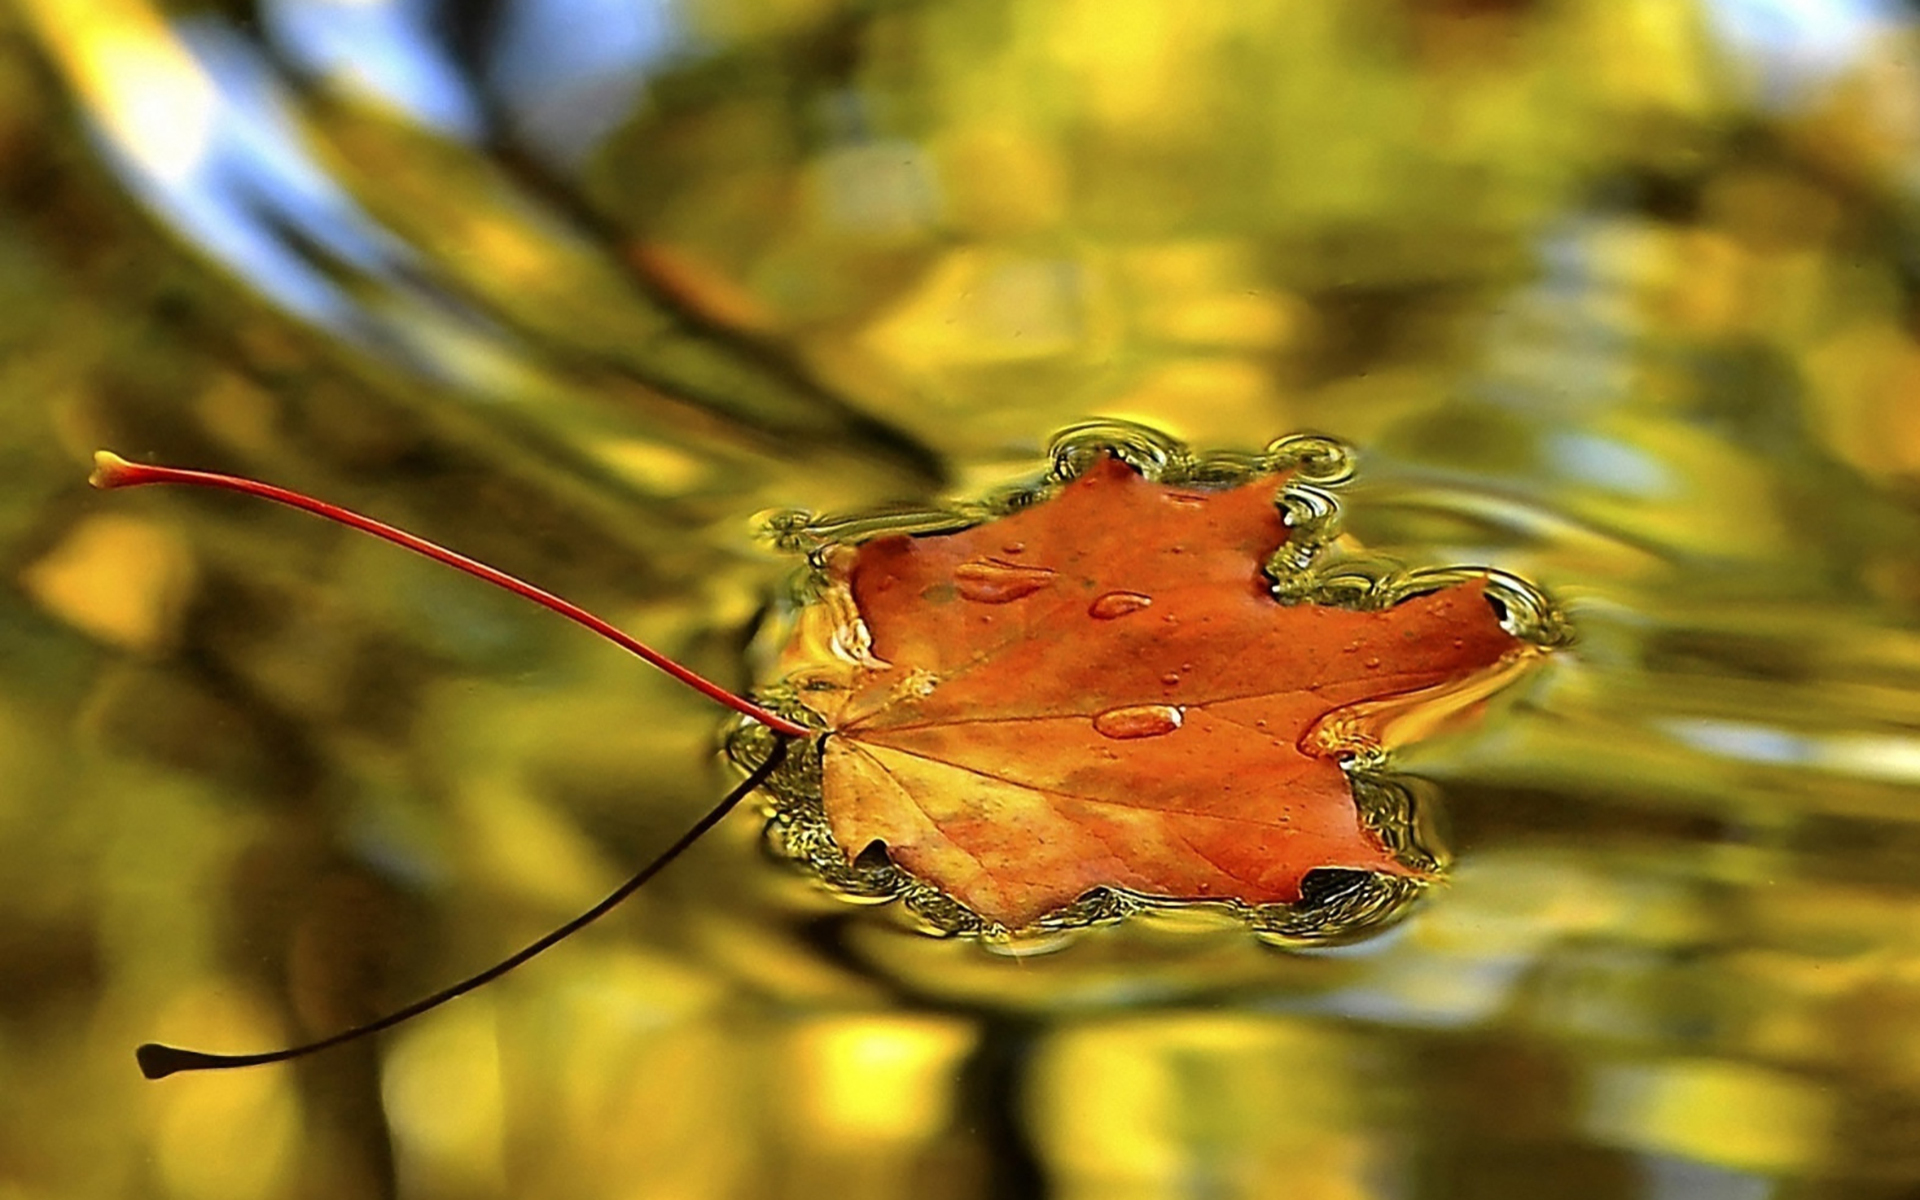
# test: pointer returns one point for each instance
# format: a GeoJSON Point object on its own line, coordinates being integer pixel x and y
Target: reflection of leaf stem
{"type": "Point", "coordinates": [158, 1061]}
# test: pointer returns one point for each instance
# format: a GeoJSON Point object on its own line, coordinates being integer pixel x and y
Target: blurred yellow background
{"type": "Point", "coordinates": [1621, 295]}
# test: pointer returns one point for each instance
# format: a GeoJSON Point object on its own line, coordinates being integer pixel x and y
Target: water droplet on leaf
{"type": "Point", "coordinates": [1137, 721]}
{"type": "Point", "coordinates": [985, 581]}
{"type": "Point", "coordinates": [1117, 604]}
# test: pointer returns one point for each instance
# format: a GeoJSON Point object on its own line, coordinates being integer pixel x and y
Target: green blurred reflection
{"type": "Point", "coordinates": [1618, 294]}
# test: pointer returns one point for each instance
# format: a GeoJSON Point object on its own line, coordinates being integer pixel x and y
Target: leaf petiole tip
{"type": "Point", "coordinates": [111, 471]}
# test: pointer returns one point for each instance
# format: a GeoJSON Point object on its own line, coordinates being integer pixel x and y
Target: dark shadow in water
{"type": "Point", "coordinates": [993, 1084]}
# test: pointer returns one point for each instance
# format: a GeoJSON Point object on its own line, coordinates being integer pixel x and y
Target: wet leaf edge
{"type": "Point", "coordinates": [1348, 904]}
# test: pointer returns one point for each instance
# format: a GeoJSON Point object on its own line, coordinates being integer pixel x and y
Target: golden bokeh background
{"type": "Point", "coordinates": [1621, 295]}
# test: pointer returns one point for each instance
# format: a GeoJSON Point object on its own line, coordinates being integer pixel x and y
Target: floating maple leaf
{"type": "Point", "coordinates": [1095, 687]}
{"type": "Point", "coordinates": [1130, 685]}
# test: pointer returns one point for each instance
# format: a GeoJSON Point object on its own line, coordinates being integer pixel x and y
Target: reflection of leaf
{"type": "Point", "coordinates": [1100, 689]}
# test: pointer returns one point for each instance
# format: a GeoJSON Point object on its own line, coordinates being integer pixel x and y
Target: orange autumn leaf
{"type": "Point", "coordinates": [1097, 694]}
{"type": "Point", "coordinates": [1100, 690]}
